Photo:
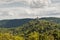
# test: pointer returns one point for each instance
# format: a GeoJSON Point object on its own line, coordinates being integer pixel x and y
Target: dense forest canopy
{"type": "Point", "coordinates": [37, 29]}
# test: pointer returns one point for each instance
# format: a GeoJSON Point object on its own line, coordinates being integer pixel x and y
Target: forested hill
{"type": "Point", "coordinates": [19, 22]}
{"type": "Point", "coordinates": [13, 22]}
{"type": "Point", "coordinates": [52, 19]}
{"type": "Point", "coordinates": [32, 30]}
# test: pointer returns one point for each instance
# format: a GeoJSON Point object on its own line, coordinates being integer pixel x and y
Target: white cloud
{"type": "Point", "coordinates": [13, 9]}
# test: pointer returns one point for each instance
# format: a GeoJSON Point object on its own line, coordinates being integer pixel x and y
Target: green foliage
{"type": "Point", "coordinates": [33, 30]}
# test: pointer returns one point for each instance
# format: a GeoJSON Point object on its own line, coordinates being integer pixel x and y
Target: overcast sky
{"type": "Point", "coordinates": [15, 9]}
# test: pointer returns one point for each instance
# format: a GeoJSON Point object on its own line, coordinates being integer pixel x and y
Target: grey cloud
{"type": "Point", "coordinates": [54, 14]}
{"type": "Point", "coordinates": [4, 13]}
{"type": "Point", "coordinates": [37, 4]}
{"type": "Point", "coordinates": [55, 1]}
{"type": "Point", "coordinates": [36, 8]}
{"type": "Point", "coordinates": [7, 0]}
{"type": "Point", "coordinates": [14, 4]}
{"type": "Point", "coordinates": [31, 4]}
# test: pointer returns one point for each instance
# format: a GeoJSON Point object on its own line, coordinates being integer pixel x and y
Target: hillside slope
{"type": "Point", "coordinates": [19, 22]}
{"type": "Point", "coordinates": [33, 30]}
{"type": "Point", "coordinates": [13, 22]}
{"type": "Point", "coordinates": [51, 19]}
